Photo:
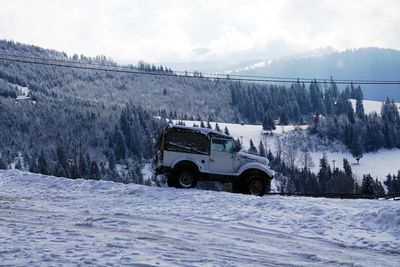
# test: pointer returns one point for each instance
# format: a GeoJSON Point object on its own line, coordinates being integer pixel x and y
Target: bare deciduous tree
{"type": "Point", "coordinates": [305, 160]}
{"type": "Point", "coordinates": [290, 151]}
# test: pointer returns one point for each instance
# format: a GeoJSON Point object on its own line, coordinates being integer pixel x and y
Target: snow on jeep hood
{"type": "Point", "coordinates": [253, 158]}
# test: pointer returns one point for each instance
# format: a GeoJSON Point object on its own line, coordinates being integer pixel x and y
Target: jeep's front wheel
{"type": "Point", "coordinates": [256, 184]}
{"type": "Point", "coordinates": [238, 187]}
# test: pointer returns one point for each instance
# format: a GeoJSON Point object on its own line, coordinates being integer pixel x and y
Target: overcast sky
{"type": "Point", "coordinates": [217, 30]}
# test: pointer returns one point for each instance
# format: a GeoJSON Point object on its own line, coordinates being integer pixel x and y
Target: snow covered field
{"type": "Point", "coordinates": [371, 105]}
{"type": "Point", "coordinates": [49, 221]}
{"type": "Point", "coordinates": [378, 164]}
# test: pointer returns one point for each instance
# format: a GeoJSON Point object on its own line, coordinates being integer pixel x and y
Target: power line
{"type": "Point", "coordinates": [209, 75]}
{"type": "Point", "coordinates": [182, 74]}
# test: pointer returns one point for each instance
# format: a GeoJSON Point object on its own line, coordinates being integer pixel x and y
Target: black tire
{"type": "Point", "coordinates": [172, 181]}
{"type": "Point", "coordinates": [238, 187]}
{"type": "Point", "coordinates": [256, 184]}
{"type": "Point", "coordinates": [186, 178]}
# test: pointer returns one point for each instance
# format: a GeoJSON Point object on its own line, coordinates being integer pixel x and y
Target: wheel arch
{"type": "Point", "coordinates": [247, 176]}
{"type": "Point", "coordinates": [248, 172]}
{"type": "Point", "coordinates": [256, 168]}
{"type": "Point", "coordinates": [186, 163]}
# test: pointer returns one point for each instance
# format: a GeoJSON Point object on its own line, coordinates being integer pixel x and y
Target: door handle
{"type": "Point", "coordinates": [211, 160]}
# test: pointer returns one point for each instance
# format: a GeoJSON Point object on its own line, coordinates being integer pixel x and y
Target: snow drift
{"type": "Point", "coordinates": [47, 220]}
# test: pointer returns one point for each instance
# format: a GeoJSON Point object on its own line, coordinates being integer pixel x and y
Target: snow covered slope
{"type": "Point", "coordinates": [371, 105]}
{"type": "Point", "coordinates": [49, 221]}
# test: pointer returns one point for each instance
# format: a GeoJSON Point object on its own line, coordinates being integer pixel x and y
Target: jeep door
{"type": "Point", "coordinates": [221, 155]}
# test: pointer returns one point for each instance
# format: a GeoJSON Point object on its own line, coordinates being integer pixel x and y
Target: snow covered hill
{"type": "Point", "coordinates": [371, 105]}
{"type": "Point", "coordinates": [48, 221]}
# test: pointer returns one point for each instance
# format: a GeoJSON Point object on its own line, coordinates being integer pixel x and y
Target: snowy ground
{"type": "Point", "coordinates": [378, 164]}
{"type": "Point", "coordinates": [48, 221]}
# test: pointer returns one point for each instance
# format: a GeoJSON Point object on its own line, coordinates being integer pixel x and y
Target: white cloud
{"type": "Point", "coordinates": [174, 30]}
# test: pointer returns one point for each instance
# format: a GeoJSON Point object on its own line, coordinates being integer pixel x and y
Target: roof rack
{"type": "Point", "coordinates": [205, 131]}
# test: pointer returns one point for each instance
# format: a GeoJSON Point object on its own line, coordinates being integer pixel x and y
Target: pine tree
{"type": "Point", "coordinates": [284, 119]}
{"type": "Point", "coordinates": [356, 149]}
{"type": "Point", "coordinates": [343, 182]}
{"type": "Point", "coordinates": [316, 98]}
{"type": "Point", "coordinates": [329, 103]}
{"type": "Point", "coordinates": [3, 165]}
{"type": "Point", "coordinates": [261, 149]}
{"type": "Point", "coordinates": [359, 105]}
{"type": "Point", "coordinates": [62, 156]}
{"type": "Point", "coordinates": [111, 161]}
{"type": "Point", "coordinates": [33, 167]}
{"type": "Point", "coordinates": [347, 167]}
{"type": "Point", "coordinates": [120, 147]}
{"type": "Point", "coordinates": [42, 163]}
{"type": "Point", "coordinates": [350, 115]}
{"type": "Point", "coordinates": [378, 188]}
{"type": "Point", "coordinates": [324, 175]}
{"type": "Point", "coordinates": [388, 183]}
{"type": "Point", "coordinates": [334, 88]}
{"type": "Point", "coordinates": [393, 183]}
{"type": "Point", "coordinates": [94, 171]}
{"type": "Point", "coordinates": [268, 123]}
{"type": "Point", "coordinates": [239, 144]}
{"type": "Point", "coordinates": [83, 166]}
{"type": "Point", "coordinates": [74, 171]}
{"type": "Point", "coordinates": [217, 127]}
{"type": "Point", "coordinates": [367, 185]}
{"type": "Point", "coordinates": [252, 149]}
{"type": "Point", "coordinates": [226, 131]}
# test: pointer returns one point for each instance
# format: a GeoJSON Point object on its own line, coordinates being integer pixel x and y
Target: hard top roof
{"type": "Point", "coordinates": [205, 131]}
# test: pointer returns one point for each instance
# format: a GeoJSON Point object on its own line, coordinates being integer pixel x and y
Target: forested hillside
{"type": "Point", "coordinates": [91, 123]}
{"type": "Point", "coordinates": [186, 96]}
{"type": "Point", "coordinates": [328, 111]}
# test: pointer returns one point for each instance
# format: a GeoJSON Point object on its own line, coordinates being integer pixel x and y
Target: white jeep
{"type": "Point", "coordinates": [189, 154]}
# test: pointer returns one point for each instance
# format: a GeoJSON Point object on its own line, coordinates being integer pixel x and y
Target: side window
{"type": "Point", "coordinates": [222, 145]}
{"type": "Point", "coordinates": [217, 145]}
{"type": "Point", "coordinates": [229, 146]}
{"type": "Point", "coordinates": [187, 142]}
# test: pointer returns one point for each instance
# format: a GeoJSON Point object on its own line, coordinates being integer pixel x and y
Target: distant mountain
{"type": "Point", "coordinates": [203, 66]}
{"type": "Point", "coordinates": [257, 63]}
{"type": "Point", "coordinates": [356, 64]}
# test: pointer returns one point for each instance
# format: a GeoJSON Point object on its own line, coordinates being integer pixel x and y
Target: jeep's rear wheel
{"type": "Point", "coordinates": [183, 178]}
{"type": "Point", "coordinates": [172, 181]}
{"type": "Point", "coordinates": [187, 179]}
